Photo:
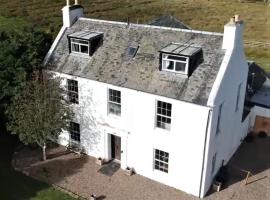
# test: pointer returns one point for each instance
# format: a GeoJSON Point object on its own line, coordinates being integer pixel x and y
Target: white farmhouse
{"type": "Point", "coordinates": [167, 102]}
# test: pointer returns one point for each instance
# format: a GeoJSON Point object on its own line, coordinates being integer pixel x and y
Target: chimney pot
{"type": "Point", "coordinates": [76, 2]}
{"type": "Point", "coordinates": [68, 2]}
{"type": "Point", "coordinates": [237, 18]}
{"type": "Point", "coordinates": [232, 20]}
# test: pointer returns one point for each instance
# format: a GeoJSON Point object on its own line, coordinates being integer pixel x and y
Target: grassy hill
{"type": "Point", "coordinates": [209, 15]}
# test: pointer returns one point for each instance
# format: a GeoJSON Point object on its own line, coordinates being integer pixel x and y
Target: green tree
{"type": "Point", "coordinates": [39, 113]}
{"type": "Point", "coordinates": [20, 52]}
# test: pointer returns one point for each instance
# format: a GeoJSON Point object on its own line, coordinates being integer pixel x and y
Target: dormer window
{"type": "Point", "coordinates": [175, 63]}
{"type": "Point", "coordinates": [79, 46]}
{"type": "Point", "coordinates": [85, 42]}
{"type": "Point", "coordinates": [180, 58]}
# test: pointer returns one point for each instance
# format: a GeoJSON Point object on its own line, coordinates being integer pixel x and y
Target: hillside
{"type": "Point", "coordinates": [209, 15]}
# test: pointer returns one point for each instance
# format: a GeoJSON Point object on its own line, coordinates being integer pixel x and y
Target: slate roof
{"type": "Point", "coordinates": [169, 21]}
{"type": "Point", "coordinates": [111, 63]}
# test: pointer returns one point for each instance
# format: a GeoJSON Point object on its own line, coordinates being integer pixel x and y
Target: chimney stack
{"type": "Point", "coordinates": [71, 13]}
{"type": "Point", "coordinates": [233, 33]}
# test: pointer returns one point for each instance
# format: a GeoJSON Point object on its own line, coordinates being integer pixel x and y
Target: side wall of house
{"type": "Point", "coordinates": [232, 130]}
{"type": "Point", "coordinates": [139, 137]}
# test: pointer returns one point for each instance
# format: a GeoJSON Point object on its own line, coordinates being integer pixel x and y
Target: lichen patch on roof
{"type": "Point", "coordinates": [110, 65]}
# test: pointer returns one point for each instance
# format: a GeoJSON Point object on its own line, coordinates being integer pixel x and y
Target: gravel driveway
{"type": "Point", "coordinates": [80, 175]}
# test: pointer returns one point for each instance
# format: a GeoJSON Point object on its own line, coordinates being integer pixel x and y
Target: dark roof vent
{"type": "Point", "coordinates": [132, 51]}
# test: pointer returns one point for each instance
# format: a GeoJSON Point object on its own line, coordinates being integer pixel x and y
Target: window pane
{"type": "Point", "coordinates": [114, 108]}
{"type": "Point", "coordinates": [163, 118]}
{"type": "Point", "coordinates": [161, 160]}
{"type": "Point", "coordinates": [180, 67]}
{"type": "Point", "coordinates": [168, 64]}
{"type": "Point", "coordinates": [114, 102]}
{"type": "Point", "coordinates": [132, 51]}
{"type": "Point", "coordinates": [73, 95]}
{"type": "Point", "coordinates": [75, 47]}
{"type": "Point", "coordinates": [75, 131]}
{"type": "Point", "coordinates": [84, 49]}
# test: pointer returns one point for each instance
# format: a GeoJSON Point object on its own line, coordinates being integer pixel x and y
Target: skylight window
{"type": "Point", "coordinates": [132, 51]}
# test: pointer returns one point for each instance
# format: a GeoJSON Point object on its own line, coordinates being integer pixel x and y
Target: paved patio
{"type": "Point", "coordinates": [80, 175]}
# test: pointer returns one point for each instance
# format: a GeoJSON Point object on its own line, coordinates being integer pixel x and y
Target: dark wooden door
{"type": "Point", "coordinates": [116, 147]}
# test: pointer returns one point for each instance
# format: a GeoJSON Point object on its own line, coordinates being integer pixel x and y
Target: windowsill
{"type": "Point", "coordinates": [161, 130]}
{"type": "Point", "coordinates": [172, 71]}
{"type": "Point", "coordinates": [160, 172]}
{"type": "Point", "coordinates": [81, 55]}
{"type": "Point", "coordinates": [112, 116]}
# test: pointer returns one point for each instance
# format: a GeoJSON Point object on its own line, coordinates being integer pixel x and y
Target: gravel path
{"type": "Point", "coordinates": [80, 175]}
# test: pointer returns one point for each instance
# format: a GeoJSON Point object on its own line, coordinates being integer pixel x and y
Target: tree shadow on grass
{"type": "Point", "coordinates": [16, 186]}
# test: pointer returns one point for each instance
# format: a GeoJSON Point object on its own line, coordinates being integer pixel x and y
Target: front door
{"type": "Point", "coordinates": [116, 147]}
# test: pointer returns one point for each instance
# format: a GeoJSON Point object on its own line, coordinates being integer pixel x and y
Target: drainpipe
{"type": "Point", "coordinates": [204, 150]}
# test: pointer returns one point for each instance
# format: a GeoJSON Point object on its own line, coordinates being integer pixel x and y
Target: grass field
{"type": "Point", "coordinates": [209, 15]}
{"type": "Point", "coordinates": [16, 186]}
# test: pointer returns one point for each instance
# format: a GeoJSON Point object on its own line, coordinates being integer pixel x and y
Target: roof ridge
{"type": "Point", "coordinates": [153, 27]}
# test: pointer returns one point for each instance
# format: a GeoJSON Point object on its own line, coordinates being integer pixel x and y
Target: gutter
{"type": "Point", "coordinates": [204, 150]}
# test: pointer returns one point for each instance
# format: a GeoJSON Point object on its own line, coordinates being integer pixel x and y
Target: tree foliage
{"type": "Point", "coordinates": [20, 52]}
{"type": "Point", "coordinates": [38, 112]}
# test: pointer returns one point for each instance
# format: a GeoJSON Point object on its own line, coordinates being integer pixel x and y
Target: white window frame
{"type": "Point", "coordinates": [165, 58]}
{"type": "Point", "coordinates": [238, 97]}
{"type": "Point", "coordinates": [219, 118]}
{"type": "Point", "coordinates": [167, 125]}
{"type": "Point", "coordinates": [76, 41]}
{"type": "Point", "coordinates": [162, 169]}
{"type": "Point", "coordinates": [114, 102]}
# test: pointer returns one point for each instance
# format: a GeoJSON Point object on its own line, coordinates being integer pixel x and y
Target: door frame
{"type": "Point", "coordinates": [120, 152]}
{"type": "Point", "coordinates": [107, 147]}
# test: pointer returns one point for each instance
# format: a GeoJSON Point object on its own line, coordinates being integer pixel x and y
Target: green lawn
{"type": "Point", "coordinates": [13, 23]}
{"type": "Point", "coordinates": [16, 186]}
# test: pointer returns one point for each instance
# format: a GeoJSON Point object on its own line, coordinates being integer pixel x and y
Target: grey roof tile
{"type": "Point", "coordinates": [110, 65]}
{"type": "Point", "coordinates": [169, 21]}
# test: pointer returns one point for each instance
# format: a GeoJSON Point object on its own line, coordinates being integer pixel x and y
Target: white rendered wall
{"type": "Point", "coordinates": [139, 136]}
{"type": "Point", "coordinates": [70, 15]}
{"type": "Point", "coordinates": [233, 71]}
